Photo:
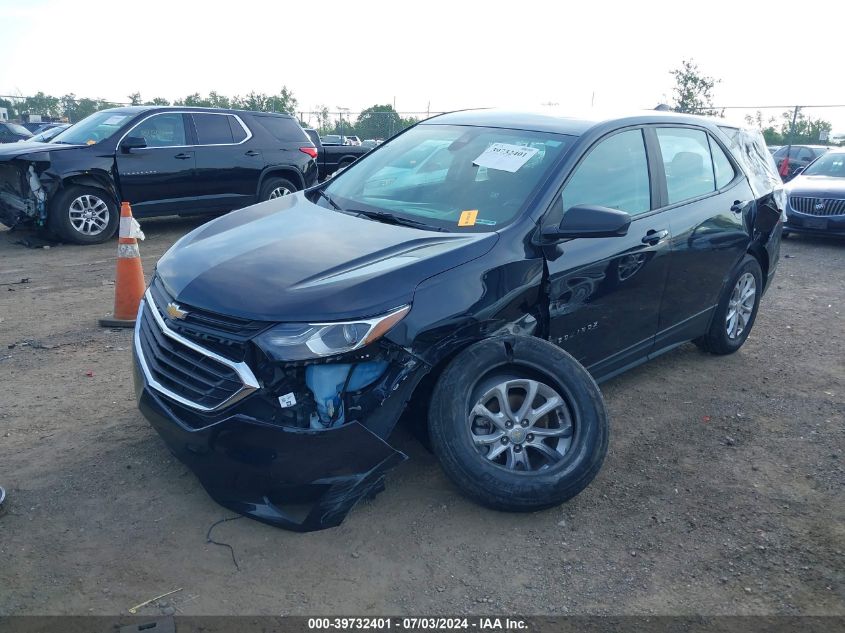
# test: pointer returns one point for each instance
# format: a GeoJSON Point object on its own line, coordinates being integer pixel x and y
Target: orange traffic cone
{"type": "Point", "coordinates": [129, 283]}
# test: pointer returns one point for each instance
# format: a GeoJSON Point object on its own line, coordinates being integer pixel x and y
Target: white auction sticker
{"type": "Point", "coordinates": [287, 400]}
{"type": "Point", "coordinates": [114, 120]}
{"type": "Point", "coordinates": [505, 157]}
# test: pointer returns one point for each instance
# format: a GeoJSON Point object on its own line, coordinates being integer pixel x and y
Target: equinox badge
{"type": "Point", "coordinates": [175, 312]}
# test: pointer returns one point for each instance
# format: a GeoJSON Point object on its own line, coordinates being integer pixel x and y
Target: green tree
{"type": "Point", "coordinates": [134, 98]}
{"type": "Point", "coordinates": [42, 104]}
{"type": "Point", "coordinates": [10, 107]}
{"type": "Point", "coordinates": [693, 90]}
{"type": "Point", "coordinates": [379, 121]}
{"type": "Point", "coordinates": [158, 101]}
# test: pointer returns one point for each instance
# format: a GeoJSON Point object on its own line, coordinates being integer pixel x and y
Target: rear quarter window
{"type": "Point", "coordinates": [283, 128]}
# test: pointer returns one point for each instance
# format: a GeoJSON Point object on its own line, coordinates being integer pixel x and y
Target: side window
{"type": "Point", "coordinates": [162, 130]}
{"type": "Point", "coordinates": [614, 174]}
{"type": "Point", "coordinates": [721, 165]}
{"type": "Point", "coordinates": [238, 131]}
{"type": "Point", "coordinates": [4, 133]}
{"type": "Point", "coordinates": [687, 163]}
{"type": "Point", "coordinates": [212, 129]}
{"type": "Point", "coordinates": [283, 128]}
{"type": "Point", "coordinates": [805, 154]}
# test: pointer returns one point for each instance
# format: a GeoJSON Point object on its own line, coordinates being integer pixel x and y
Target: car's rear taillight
{"type": "Point", "coordinates": [311, 151]}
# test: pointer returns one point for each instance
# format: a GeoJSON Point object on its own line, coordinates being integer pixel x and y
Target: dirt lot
{"type": "Point", "coordinates": [722, 492]}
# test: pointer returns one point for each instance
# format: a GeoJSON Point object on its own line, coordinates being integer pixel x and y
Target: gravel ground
{"type": "Point", "coordinates": [722, 492]}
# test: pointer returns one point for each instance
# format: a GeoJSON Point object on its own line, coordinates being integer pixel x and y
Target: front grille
{"type": "Point", "coordinates": [223, 334]}
{"type": "Point", "coordinates": [829, 206]}
{"type": "Point", "coordinates": [181, 371]}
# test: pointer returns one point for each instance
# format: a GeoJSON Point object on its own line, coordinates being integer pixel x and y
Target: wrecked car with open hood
{"type": "Point", "coordinates": [277, 346]}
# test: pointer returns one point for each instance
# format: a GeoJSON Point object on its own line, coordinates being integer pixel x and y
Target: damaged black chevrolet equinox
{"type": "Point", "coordinates": [485, 268]}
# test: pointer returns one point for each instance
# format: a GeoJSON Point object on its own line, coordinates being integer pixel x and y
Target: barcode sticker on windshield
{"type": "Point", "coordinates": [114, 120]}
{"type": "Point", "coordinates": [505, 157]}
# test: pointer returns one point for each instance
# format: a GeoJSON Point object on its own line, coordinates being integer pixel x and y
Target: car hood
{"type": "Point", "coordinates": [817, 187]}
{"type": "Point", "coordinates": [290, 260]}
{"type": "Point", "coordinates": [9, 151]}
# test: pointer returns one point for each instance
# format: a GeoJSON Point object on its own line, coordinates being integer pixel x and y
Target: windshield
{"type": "Point", "coordinates": [93, 129]}
{"type": "Point", "coordinates": [450, 176]}
{"type": "Point", "coordinates": [828, 165]}
{"type": "Point", "coordinates": [18, 129]}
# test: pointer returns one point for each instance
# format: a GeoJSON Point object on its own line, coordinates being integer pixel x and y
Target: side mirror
{"type": "Point", "coordinates": [133, 142]}
{"type": "Point", "coordinates": [587, 220]}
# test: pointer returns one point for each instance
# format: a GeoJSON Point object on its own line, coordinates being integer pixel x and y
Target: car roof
{"type": "Point", "coordinates": [574, 125]}
{"type": "Point", "coordinates": [145, 109]}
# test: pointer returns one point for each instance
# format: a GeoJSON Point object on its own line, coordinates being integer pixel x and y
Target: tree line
{"type": "Point", "coordinates": [692, 93]}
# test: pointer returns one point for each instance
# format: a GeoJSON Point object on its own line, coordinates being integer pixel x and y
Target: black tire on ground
{"type": "Point", "coordinates": [546, 482]}
{"type": "Point", "coordinates": [278, 186]}
{"type": "Point", "coordinates": [345, 163]}
{"type": "Point", "coordinates": [718, 340]}
{"type": "Point", "coordinates": [83, 215]}
{"type": "Point", "coordinates": [785, 235]}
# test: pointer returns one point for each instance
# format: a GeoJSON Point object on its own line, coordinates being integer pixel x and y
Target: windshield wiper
{"type": "Point", "coordinates": [328, 199]}
{"type": "Point", "coordinates": [389, 218]}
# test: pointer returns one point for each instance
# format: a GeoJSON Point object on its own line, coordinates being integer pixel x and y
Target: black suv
{"type": "Point", "coordinates": [163, 161]}
{"type": "Point", "coordinates": [277, 346]}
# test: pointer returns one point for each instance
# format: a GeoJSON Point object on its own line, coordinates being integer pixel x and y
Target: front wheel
{"type": "Point", "coordinates": [83, 215]}
{"type": "Point", "coordinates": [518, 424]}
{"type": "Point", "coordinates": [737, 310]}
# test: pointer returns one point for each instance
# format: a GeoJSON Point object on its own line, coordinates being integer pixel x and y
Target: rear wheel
{"type": "Point", "coordinates": [737, 310]}
{"type": "Point", "coordinates": [518, 424]}
{"type": "Point", "coordinates": [276, 187]}
{"type": "Point", "coordinates": [83, 215]}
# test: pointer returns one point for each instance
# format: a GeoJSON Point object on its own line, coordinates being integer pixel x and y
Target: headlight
{"type": "Point", "coordinates": [301, 341]}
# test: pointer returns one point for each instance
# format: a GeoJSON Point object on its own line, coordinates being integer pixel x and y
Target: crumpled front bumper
{"type": "Point", "coordinates": [298, 479]}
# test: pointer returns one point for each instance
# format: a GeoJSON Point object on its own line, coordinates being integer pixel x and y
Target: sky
{"type": "Point", "coordinates": [432, 55]}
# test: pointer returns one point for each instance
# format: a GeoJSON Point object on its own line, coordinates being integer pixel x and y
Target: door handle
{"type": "Point", "coordinates": [251, 152]}
{"type": "Point", "coordinates": [183, 156]}
{"type": "Point", "coordinates": [737, 206]}
{"type": "Point", "coordinates": [654, 237]}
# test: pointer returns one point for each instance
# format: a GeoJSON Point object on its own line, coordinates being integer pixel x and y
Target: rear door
{"type": "Point", "coordinates": [228, 166]}
{"type": "Point", "coordinates": [159, 178]}
{"type": "Point", "coordinates": [703, 198]}
{"type": "Point", "coordinates": [605, 293]}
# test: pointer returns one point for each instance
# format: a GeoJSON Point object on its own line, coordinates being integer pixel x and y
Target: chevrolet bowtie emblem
{"type": "Point", "coordinates": [175, 312]}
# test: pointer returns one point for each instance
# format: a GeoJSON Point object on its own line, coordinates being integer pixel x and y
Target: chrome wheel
{"type": "Point", "coordinates": [89, 215]}
{"type": "Point", "coordinates": [740, 306]}
{"type": "Point", "coordinates": [278, 192]}
{"type": "Point", "coordinates": [521, 425]}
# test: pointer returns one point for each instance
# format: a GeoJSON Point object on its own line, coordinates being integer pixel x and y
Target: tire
{"type": "Point", "coordinates": [83, 215]}
{"type": "Point", "coordinates": [275, 187]}
{"type": "Point", "coordinates": [785, 235]}
{"type": "Point", "coordinates": [507, 483]}
{"type": "Point", "coordinates": [723, 337]}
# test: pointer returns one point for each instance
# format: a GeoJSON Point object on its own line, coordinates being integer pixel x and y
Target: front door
{"type": "Point", "coordinates": [605, 293]}
{"type": "Point", "coordinates": [161, 177]}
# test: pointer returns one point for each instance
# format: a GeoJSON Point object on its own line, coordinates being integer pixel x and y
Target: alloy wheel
{"type": "Point", "coordinates": [89, 214]}
{"type": "Point", "coordinates": [278, 192]}
{"type": "Point", "coordinates": [740, 306]}
{"type": "Point", "coordinates": [521, 425]}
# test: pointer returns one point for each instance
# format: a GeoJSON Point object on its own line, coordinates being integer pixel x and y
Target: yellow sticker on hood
{"type": "Point", "coordinates": [468, 218]}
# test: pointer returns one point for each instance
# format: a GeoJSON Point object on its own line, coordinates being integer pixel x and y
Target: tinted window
{"type": "Point", "coordinates": [283, 128]}
{"type": "Point", "coordinates": [687, 162]}
{"type": "Point", "coordinates": [161, 130]}
{"type": "Point", "coordinates": [238, 132]}
{"type": "Point", "coordinates": [721, 165]}
{"type": "Point", "coordinates": [212, 129]}
{"type": "Point", "coordinates": [312, 134]}
{"type": "Point", "coordinates": [614, 174]}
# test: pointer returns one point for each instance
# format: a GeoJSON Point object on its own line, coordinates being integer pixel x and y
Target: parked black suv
{"type": "Point", "coordinates": [277, 346]}
{"type": "Point", "coordinates": [162, 160]}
